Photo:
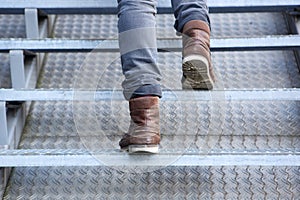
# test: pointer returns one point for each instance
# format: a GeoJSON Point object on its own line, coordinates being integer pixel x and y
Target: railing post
{"type": "Point", "coordinates": [32, 23]}
{"type": "Point", "coordinates": [4, 127]}
{"type": "Point", "coordinates": [17, 69]}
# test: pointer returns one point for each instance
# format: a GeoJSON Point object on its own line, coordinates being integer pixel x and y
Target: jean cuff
{"type": "Point", "coordinates": [147, 90]}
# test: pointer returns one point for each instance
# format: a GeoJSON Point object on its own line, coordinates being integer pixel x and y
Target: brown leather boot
{"type": "Point", "coordinates": [143, 134]}
{"type": "Point", "coordinates": [196, 64]}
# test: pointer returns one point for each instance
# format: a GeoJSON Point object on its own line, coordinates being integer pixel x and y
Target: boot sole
{"type": "Point", "coordinates": [153, 149]}
{"type": "Point", "coordinates": [196, 73]}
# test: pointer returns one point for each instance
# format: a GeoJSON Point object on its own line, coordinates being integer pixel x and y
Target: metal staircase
{"type": "Point", "coordinates": [62, 112]}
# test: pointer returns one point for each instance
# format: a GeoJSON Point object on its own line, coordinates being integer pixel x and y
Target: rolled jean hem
{"type": "Point", "coordinates": [145, 90]}
{"type": "Point", "coordinates": [179, 27]}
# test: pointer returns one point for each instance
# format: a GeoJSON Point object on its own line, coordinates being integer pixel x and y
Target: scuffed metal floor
{"type": "Point", "coordinates": [217, 126]}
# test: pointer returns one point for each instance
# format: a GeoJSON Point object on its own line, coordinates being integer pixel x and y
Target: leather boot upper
{"type": "Point", "coordinates": [144, 127]}
{"type": "Point", "coordinates": [196, 41]}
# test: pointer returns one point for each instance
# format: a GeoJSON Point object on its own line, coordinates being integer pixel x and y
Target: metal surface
{"type": "Point", "coordinates": [15, 123]}
{"type": "Point", "coordinates": [3, 121]}
{"type": "Point", "coordinates": [174, 95]}
{"type": "Point", "coordinates": [12, 124]}
{"type": "Point", "coordinates": [32, 24]}
{"type": "Point", "coordinates": [2, 182]}
{"type": "Point", "coordinates": [4, 175]}
{"type": "Point", "coordinates": [254, 24]}
{"type": "Point", "coordinates": [227, 44]}
{"type": "Point", "coordinates": [69, 157]}
{"type": "Point", "coordinates": [164, 6]}
{"type": "Point", "coordinates": [5, 78]}
{"type": "Point", "coordinates": [23, 72]}
{"type": "Point", "coordinates": [221, 125]}
{"type": "Point", "coordinates": [169, 183]}
{"type": "Point", "coordinates": [12, 26]}
{"type": "Point", "coordinates": [38, 25]}
{"type": "Point", "coordinates": [232, 69]}
{"type": "Point", "coordinates": [225, 130]}
{"type": "Point", "coordinates": [17, 69]}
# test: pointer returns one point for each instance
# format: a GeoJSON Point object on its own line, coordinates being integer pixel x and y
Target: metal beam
{"type": "Point", "coordinates": [17, 69]}
{"type": "Point", "coordinates": [4, 127]}
{"type": "Point", "coordinates": [15, 122]}
{"type": "Point", "coordinates": [164, 6]}
{"type": "Point", "coordinates": [116, 158]}
{"type": "Point", "coordinates": [175, 95]}
{"type": "Point", "coordinates": [284, 42]}
{"type": "Point", "coordinates": [31, 23]}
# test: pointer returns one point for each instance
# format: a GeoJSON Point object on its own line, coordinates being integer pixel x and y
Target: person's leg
{"type": "Point", "coordinates": [192, 21]}
{"type": "Point", "coordinates": [188, 10]}
{"type": "Point", "coordinates": [137, 41]}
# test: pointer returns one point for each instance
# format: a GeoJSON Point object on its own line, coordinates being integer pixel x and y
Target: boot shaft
{"type": "Point", "coordinates": [196, 50]}
{"type": "Point", "coordinates": [144, 111]}
{"type": "Point", "coordinates": [144, 130]}
{"type": "Point", "coordinates": [196, 39]}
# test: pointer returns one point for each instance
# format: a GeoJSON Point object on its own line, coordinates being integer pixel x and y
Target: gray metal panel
{"type": "Point", "coordinates": [174, 95]}
{"type": "Point", "coordinates": [12, 26]}
{"type": "Point", "coordinates": [222, 127]}
{"type": "Point", "coordinates": [70, 157]}
{"type": "Point", "coordinates": [266, 69]}
{"type": "Point", "coordinates": [289, 42]}
{"type": "Point", "coordinates": [5, 78]}
{"type": "Point", "coordinates": [32, 24]}
{"type": "Point", "coordinates": [50, 121]}
{"type": "Point", "coordinates": [4, 129]}
{"type": "Point", "coordinates": [222, 25]}
{"type": "Point", "coordinates": [2, 184]}
{"type": "Point", "coordinates": [168, 183]}
{"type": "Point", "coordinates": [17, 68]}
{"type": "Point", "coordinates": [233, 125]}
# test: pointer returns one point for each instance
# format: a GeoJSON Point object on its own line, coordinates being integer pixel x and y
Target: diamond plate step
{"type": "Point", "coordinates": [222, 25]}
{"type": "Point", "coordinates": [218, 182]}
{"type": "Point", "coordinates": [169, 157]}
{"type": "Point", "coordinates": [174, 95]}
{"type": "Point", "coordinates": [234, 126]}
{"type": "Point", "coordinates": [290, 42]}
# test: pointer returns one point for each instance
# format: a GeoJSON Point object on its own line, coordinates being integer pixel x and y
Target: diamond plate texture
{"type": "Point", "coordinates": [264, 69]}
{"type": "Point", "coordinates": [102, 26]}
{"type": "Point", "coordinates": [228, 126]}
{"type": "Point", "coordinates": [168, 183]}
{"type": "Point", "coordinates": [222, 126]}
{"type": "Point", "coordinates": [5, 79]}
{"type": "Point", "coordinates": [222, 25]}
{"type": "Point", "coordinates": [12, 26]}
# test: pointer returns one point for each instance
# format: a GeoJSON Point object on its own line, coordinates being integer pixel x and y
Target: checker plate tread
{"type": "Point", "coordinates": [230, 125]}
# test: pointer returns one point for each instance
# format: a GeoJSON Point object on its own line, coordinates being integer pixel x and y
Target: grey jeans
{"type": "Point", "coordinates": [137, 41]}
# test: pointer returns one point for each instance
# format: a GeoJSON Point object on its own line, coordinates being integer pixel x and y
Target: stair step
{"type": "Point", "coordinates": [110, 157]}
{"type": "Point", "coordinates": [281, 42]}
{"type": "Point", "coordinates": [292, 94]}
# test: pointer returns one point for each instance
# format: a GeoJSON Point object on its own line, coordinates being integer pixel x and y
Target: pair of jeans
{"type": "Point", "coordinates": [137, 41]}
